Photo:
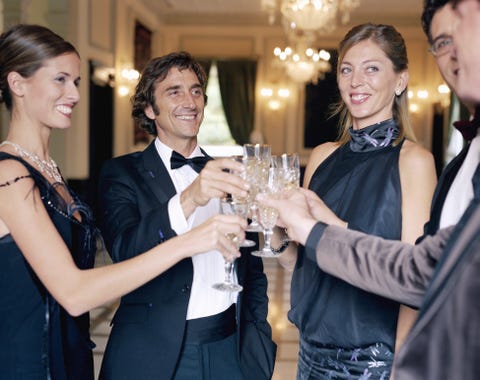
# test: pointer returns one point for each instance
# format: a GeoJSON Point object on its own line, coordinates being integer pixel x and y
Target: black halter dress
{"type": "Point", "coordinates": [345, 332]}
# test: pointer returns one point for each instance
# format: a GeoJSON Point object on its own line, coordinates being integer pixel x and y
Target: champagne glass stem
{"type": "Point", "coordinates": [254, 209]}
{"type": "Point", "coordinates": [228, 271]}
{"type": "Point", "coordinates": [268, 238]}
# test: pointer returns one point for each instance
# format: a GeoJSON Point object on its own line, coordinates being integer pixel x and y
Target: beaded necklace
{"type": "Point", "coordinates": [49, 167]}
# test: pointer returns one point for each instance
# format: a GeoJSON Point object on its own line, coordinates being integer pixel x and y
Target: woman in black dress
{"type": "Point", "coordinates": [379, 181]}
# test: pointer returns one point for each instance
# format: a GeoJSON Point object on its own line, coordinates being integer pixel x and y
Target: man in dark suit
{"type": "Point", "coordinates": [451, 196]}
{"type": "Point", "coordinates": [177, 326]}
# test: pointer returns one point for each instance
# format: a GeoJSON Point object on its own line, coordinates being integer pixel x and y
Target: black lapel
{"type": "Point", "coordinates": [441, 191]}
{"type": "Point", "coordinates": [155, 174]}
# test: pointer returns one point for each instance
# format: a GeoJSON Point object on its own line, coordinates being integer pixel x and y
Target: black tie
{"type": "Point", "coordinates": [468, 128]}
{"type": "Point", "coordinates": [197, 163]}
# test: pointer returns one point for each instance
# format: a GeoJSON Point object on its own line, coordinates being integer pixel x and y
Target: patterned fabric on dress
{"type": "Point", "coordinates": [338, 363]}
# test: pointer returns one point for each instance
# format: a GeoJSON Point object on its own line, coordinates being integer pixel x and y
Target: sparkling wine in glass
{"type": "Point", "coordinates": [228, 284]}
{"type": "Point", "coordinates": [241, 205]}
{"type": "Point", "coordinates": [289, 164]}
{"type": "Point", "coordinates": [268, 215]}
{"type": "Point", "coordinates": [257, 163]}
{"type": "Point", "coordinates": [288, 168]}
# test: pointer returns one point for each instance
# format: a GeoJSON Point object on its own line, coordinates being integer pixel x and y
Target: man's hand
{"type": "Point", "coordinates": [299, 210]}
{"type": "Point", "coordinates": [320, 211]}
{"type": "Point", "coordinates": [214, 181]}
{"type": "Point", "coordinates": [293, 213]}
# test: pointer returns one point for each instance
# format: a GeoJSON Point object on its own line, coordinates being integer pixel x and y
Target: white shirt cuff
{"type": "Point", "coordinates": [175, 213]}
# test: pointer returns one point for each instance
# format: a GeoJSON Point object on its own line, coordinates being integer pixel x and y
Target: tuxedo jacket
{"type": "Point", "coordinates": [441, 190]}
{"type": "Point", "coordinates": [148, 327]}
{"type": "Point", "coordinates": [440, 274]}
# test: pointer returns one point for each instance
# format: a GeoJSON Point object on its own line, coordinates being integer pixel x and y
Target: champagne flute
{"type": "Point", "coordinates": [257, 162]}
{"type": "Point", "coordinates": [240, 204]}
{"type": "Point", "coordinates": [269, 215]}
{"type": "Point", "coordinates": [288, 166]}
{"type": "Point", "coordinates": [228, 284]}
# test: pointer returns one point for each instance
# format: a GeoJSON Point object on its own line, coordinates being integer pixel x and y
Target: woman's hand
{"type": "Point", "coordinates": [213, 235]}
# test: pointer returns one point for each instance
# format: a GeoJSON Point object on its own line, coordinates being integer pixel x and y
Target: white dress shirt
{"type": "Point", "coordinates": [208, 267]}
{"type": "Point", "coordinates": [461, 191]}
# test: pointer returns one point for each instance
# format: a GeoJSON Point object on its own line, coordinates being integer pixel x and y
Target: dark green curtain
{"type": "Point", "coordinates": [237, 87]}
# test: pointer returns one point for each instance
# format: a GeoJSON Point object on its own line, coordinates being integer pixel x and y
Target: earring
{"type": "Point", "coordinates": [398, 92]}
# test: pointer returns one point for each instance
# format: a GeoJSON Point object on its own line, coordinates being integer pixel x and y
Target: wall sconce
{"type": "Point", "coordinates": [103, 76]}
{"type": "Point", "coordinates": [127, 80]}
{"type": "Point", "coordinates": [275, 96]}
{"type": "Point", "coordinates": [416, 98]}
{"type": "Point", "coordinates": [419, 96]}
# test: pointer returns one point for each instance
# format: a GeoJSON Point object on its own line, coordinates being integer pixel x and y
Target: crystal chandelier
{"type": "Point", "coordinates": [303, 20]}
{"type": "Point", "coordinates": [320, 16]}
{"type": "Point", "coordinates": [303, 64]}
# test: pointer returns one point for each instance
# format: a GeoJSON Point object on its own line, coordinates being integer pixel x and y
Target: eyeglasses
{"type": "Point", "coordinates": [441, 45]}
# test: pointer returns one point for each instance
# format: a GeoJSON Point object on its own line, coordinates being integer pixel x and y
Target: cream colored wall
{"type": "Point", "coordinates": [103, 30]}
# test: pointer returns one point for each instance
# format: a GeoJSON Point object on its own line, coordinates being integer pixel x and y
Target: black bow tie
{"type": "Point", "coordinates": [197, 163]}
{"type": "Point", "coordinates": [468, 128]}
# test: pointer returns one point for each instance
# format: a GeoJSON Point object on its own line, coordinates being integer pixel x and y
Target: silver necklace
{"type": "Point", "coordinates": [49, 167]}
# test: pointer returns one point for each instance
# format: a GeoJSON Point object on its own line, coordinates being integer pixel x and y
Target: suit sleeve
{"type": "Point", "coordinates": [132, 219]}
{"type": "Point", "coordinates": [392, 269]}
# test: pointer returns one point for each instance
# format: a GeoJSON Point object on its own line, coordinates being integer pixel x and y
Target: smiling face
{"type": "Point", "coordinates": [180, 101]}
{"type": "Point", "coordinates": [51, 93]}
{"type": "Point", "coordinates": [368, 83]}
{"type": "Point", "coordinates": [466, 35]}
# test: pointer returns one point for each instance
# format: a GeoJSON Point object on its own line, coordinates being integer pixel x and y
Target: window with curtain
{"type": "Point", "coordinates": [214, 129]}
{"type": "Point", "coordinates": [231, 89]}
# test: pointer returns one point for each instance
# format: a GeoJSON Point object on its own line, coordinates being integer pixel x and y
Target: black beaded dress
{"type": "Point", "coordinates": [40, 340]}
{"type": "Point", "coordinates": [347, 333]}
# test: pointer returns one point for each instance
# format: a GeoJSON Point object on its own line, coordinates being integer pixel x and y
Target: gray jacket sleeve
{"type": "Point", "coordinates": [392, 269]}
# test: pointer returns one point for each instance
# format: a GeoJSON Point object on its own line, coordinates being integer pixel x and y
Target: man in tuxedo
{"type": "Point", "coordinates": [177, 326]}
{"type": "Point", "coordinates": [453, 192]}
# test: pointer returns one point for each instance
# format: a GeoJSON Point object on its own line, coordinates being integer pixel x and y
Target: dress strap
{"type": "Point", "coordinates": [8, 183]}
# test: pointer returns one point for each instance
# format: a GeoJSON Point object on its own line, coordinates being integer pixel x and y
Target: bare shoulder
{"type": "Point", "coordinates": [318, 155]}
{"type": "Point", "coordinates": [11, 169]}
{"type": "Point", "coordinates": [15, 184]}
{"type": "Point", "coordinates": [415, 157]}
{"type": "Point", "coordinates": [322, 151]}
